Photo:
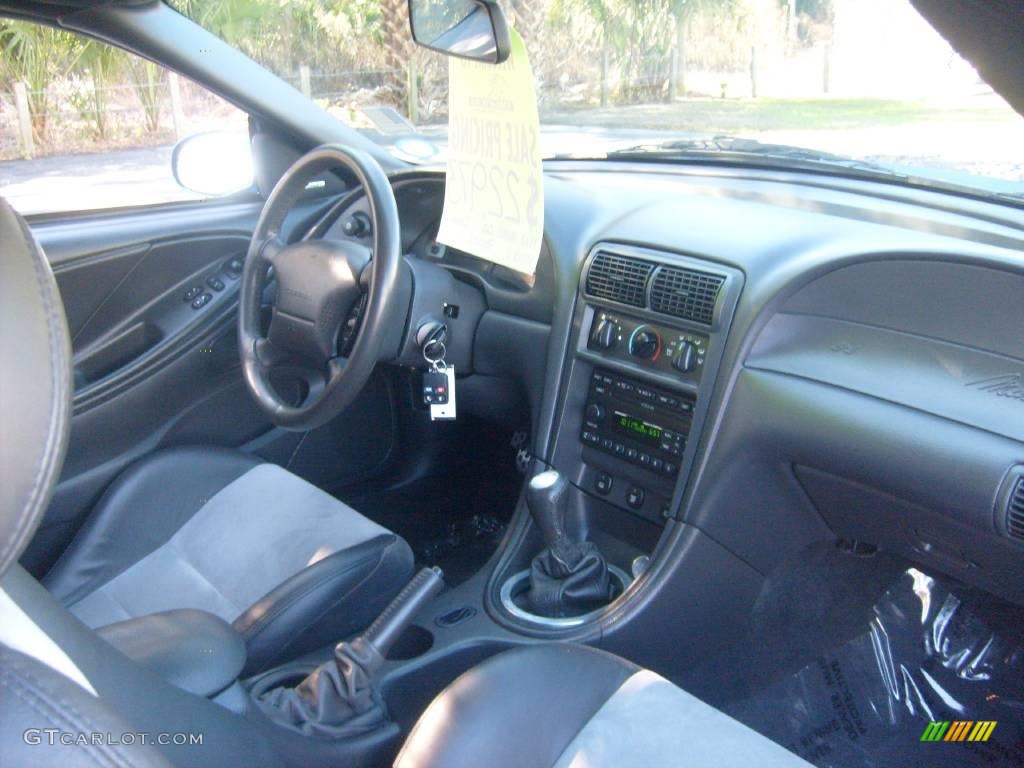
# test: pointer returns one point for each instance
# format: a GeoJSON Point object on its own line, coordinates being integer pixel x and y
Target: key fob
{"type": "Point", "coordinates": [435, 388]}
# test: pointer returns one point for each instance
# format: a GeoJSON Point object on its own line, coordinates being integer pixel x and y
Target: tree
{"type": "Point", "coordinates": [682, 12]}
{"type": "Point", "coordinates": [35, 54]}
{"type": "Point", "coordinates": [397, 44]}
{"type": "Point", "coordinates": [102, 63]}
{"type": "Point", "coordinates": [147, 78]}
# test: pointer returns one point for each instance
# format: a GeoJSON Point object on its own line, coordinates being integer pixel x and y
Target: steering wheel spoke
{"type": "Point", "coordinates": [268, 355]}
{"type": "Point", "coordinates": [270, 248]}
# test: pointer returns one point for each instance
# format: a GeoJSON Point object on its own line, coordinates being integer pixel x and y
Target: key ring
{"type": "Point", "coordinates": [436, 360]}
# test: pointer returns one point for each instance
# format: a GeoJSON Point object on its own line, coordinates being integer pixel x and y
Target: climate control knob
{"type": "Point", "coordinates": [605, 334]}
{"type": "Point", "coordinates": [645, 343]}
{"type": "Point", "coordinates": [686, 358]}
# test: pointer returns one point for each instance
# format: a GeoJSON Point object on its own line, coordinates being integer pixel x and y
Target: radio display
{"type": "Point", "coordinates": [636, 428]}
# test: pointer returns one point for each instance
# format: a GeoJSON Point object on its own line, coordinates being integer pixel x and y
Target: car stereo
{"type": "Point", "coordinates": [637, 423]}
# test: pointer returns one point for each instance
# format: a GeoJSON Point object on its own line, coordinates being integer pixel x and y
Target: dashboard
{"type": "Point", "coordinates": [768, 358]}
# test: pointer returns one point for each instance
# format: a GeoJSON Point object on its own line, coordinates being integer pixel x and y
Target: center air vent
{"type": "Point", "coordinates": [1015, 510]}
{"type": "Point", "coordinates": [619, 278]}
{"type": "Point", "coordinates": [686, 293]}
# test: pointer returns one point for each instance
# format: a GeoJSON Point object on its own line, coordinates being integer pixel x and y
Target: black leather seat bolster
{"type": "Point", "coordinates": [119, 532]}
{"type": "Point", "coordinates": [326, 602]}
{"type": "Point", "coordinates": [141, 698]}
{"type": "Point", "coordinates": [509, 713]}
{"type": "Point", "coordinates": [194, 650]}
{"type": "Point", "coordinates": [34, 697]}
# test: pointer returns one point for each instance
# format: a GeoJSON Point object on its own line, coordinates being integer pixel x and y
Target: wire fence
{"type": "Point", "coordinates": [76, 115]}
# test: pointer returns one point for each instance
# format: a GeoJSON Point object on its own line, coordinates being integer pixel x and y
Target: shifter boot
{"type": "Point", "coordinates": [568, 579]}
{"type": "Point", "coordinates": [336, 701]}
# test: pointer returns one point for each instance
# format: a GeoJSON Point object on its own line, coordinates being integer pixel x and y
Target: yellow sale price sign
{"type": "Point", "coordinates": [494, 192]}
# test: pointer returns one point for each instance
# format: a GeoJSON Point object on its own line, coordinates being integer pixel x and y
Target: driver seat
{"type": "Point", "coordinates": [291, 567]}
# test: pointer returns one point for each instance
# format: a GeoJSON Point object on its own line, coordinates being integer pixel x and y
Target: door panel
{"type": "Point", "coordinates": [152, 371]}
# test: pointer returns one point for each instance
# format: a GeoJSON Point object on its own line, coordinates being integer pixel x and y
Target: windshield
{"type": "Point", "coordinates": [864, 79]}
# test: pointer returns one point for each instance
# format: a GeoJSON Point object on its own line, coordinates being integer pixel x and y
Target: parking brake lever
{"type": "Point", "coordinates": [396, 618]}
{"type": "Point", "coordinates": [339, 698]}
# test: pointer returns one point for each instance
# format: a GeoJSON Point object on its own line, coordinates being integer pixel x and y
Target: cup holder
{"type": "Point", "coordinates": [413, 642]}
{"type": "Point", "coordinates": [513, 599]}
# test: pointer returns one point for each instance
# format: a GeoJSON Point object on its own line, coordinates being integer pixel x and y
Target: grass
{"type": "Point", "coordinates": [750, 115]}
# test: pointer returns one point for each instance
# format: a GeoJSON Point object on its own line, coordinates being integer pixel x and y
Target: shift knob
{"type": "Point", "coordinates": [548, 502]}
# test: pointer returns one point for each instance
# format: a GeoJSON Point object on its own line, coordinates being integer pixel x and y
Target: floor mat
{"type": "Point", "coordinates": [928, 683]}
{"type": "Point", "coordinates": [455, 523]}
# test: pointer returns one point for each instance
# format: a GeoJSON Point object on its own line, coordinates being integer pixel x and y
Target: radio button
{"type": "Point", "coordinates": [590, 438]}
{"type": "Point", "coordinates": [620, 449]}
{"type": "Point", "coordinates": [670, 468]}
{"type": "Point", "coordinates": [632, 453]}
{"type": "Point", "coordinates": [607, 443]}
{"type": "Point", "coordinates": [645, 459]}
{"type": "Point", "coordinates": [657, 464]}
{"type": "Point", "coordinates": [635, 497]}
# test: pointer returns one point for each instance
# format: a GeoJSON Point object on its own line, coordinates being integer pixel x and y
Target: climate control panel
{"type": "Point", "coordinates": [648, 345]}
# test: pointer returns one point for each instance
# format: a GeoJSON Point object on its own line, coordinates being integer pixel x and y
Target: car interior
{"type": "Point", "coordinates": [736, 477]}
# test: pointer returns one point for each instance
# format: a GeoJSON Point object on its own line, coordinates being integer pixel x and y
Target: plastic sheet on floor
{"type": "Point", "coordinates": [926, 658]}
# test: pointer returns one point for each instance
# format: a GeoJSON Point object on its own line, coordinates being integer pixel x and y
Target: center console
{"type": "Point", "coordinates": [649, 331]}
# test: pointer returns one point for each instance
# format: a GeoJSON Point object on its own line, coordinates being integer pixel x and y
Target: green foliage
{"type": "Point", "coordinates": [103, 64]}
{"type": "Point", "coordinates": [36, 55]}
{"type": "Point", "coordinates": [147, 78]}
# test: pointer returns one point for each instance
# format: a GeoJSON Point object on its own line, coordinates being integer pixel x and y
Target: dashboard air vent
{"type": "Point", "coordinates": [619, 278]}
{"type": "Point", "coordinates": [686, 293]}
{"type": "Point", "coordinates": [1015, 510]}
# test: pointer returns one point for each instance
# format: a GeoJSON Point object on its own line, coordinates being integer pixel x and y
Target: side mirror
{"type": "Point", "coordinates": [216, 163]}
{"type": "Point", "coordinates": [469, 29]}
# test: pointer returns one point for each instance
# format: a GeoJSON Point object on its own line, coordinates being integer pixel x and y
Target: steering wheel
{"type": "Point", "coordinates": [333, 302]}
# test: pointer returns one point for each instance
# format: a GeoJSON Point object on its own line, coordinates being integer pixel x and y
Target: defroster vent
{"type": "Point", "coordinates": [1015, 510]}
{"type": "Point", "coordinates": [686, 293]}
{"type": "Point", "coordinates": [619, 278]}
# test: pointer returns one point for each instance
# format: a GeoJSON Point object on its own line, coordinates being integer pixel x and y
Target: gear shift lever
{"type": "Point", "coordinates": [569, 576]}
{"type": "Point", "coordinates": [548, 502]}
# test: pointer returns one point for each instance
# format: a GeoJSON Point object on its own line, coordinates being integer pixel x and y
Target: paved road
{"type": "Point", "coordinates": [81, 182]}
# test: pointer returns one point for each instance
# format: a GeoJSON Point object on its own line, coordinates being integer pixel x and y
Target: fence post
{"type": "Point", "coordinates": [826, 71]}
{"type": "Point", "coordinates": [604, 76]}
{"type": "Point", "coordinates": [753, 71]}
{"type": "Point", "coordinates": [412, 93]}
{"type": "Point", "coordinates": [25, 138]}
{"type": "Point", "coordinates": [177, 116]}
{"type": "Point", "coordinates": [679, 69]}
{"type": "Point", "coordinates": [304, 86]}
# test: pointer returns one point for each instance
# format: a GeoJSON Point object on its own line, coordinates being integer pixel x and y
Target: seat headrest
{"type": "Point", "coordinates": [35, 384]}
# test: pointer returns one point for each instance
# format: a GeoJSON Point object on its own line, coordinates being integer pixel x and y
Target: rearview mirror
{"type": "Point", "coordinates": [469, 29]}
{"type": "Point", "coordinates": [216, 163]}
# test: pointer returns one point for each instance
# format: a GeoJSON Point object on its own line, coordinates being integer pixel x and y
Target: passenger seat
{"type": "Point", "coordinates": [570, 706]}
